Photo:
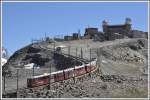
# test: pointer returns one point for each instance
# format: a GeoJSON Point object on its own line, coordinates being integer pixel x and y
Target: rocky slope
{"type": "Point", "coordinates": [122, 68]}
{"type": "Point", "coordinates": [128, 55]}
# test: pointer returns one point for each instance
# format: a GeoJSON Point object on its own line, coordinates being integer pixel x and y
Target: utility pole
{"type": "Point", "coordinates": [32, 41]}
{"type": "Point", "coordinates": [33, 70]}
{"type": "Point", "coordinates": [76, 52]}
{"type": "Point", "coordinates": [54, 46]}
{"type": "Point", "coordinates": [75, 64]}
{"type": "Point", "coordinates": [17, 78]}
{"type": "Point", "coordinates": [79, 35]}
{"type": "Point", "coordinates": [45, 36]}
{"type": "Point", "coordinates": [64, 74]}
{"type": "Point", "coordinates": [4, 81]}
{"type": "Point", "coordinates": [99, 60]}
{"type": "Point", "coordinates": [50, 77]}
{"type": "Point", "coordinates": [81, 53]}
{"type": "Point", "coordinates": [69, 50]}
{"type": "Point", "coordinates": [54, 49]}
{"type": "Point", "coordinates": [90, 63]}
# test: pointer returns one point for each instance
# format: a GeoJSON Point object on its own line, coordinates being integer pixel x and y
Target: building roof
{"type": "Point", "coordinates": [92, 28]}
{"type": "Point", "coordinates": [115, 26]}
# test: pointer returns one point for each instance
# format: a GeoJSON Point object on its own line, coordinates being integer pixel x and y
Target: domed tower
{"type": "Point", "coordinates": [128, 23]}
{"type": "Point", "coordinates": [4, 56]}
{"type": "Point", "coordinates": [105, 23]}
{"type": "Point", "coordinates": [4, 53]}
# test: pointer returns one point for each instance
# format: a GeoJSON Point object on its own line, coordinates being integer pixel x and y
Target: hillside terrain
{"type": "Point", "coordinates": [122, 67]}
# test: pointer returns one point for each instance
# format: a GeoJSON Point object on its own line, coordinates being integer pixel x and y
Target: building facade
{"type": "Point", "coordinates": [76, 36]}
{"type": "Point", "coordinates": [90, 32]}
{"type": "Point", "coordinates": [114, 31]}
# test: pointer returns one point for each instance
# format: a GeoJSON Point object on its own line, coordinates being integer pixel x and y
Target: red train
{"type": "Point", "coordinates": [44, 79]}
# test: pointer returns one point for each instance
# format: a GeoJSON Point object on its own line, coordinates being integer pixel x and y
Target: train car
{"type": "Point", "coordinates": [39, 80]}
{"type": "Point", "coordinates": [88, 68]}
{"type": "Point", "coordinates": [59, 76]}
{"type": "Point", "coordinates": [69, 73]}
{"type": "Point", "coordinates": [91, 66]}
{"type": "Point", "coordinates": [44, 79]}
{"type": "Point", "coordinates": [79, 70]}
{"type": "Point", "coordinates": [93, 62]}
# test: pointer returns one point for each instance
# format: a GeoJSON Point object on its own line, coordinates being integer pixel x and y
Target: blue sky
{"type": "Point", "coordinates": [24, 21]}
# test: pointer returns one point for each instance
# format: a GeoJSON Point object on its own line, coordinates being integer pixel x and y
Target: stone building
{"type": "Point", "coordinates": [137, 34]}
{"type": "Point", "coordinates": [76, 36]}
{"type": "Point", "coordinates": [99, 37]}
{"type": "Point", "coordinates": [90, 32]}
{"type": "Point", "coordinates": [67, 38]}
{"type": "Point", "coordinates": [116, 31]}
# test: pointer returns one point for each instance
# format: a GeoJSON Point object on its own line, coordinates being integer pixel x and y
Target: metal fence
{"type": "Point", "coordinates": [19, 76]}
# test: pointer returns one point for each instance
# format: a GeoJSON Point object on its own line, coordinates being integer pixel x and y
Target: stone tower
{"type": "Point", "coordinates": [105, 24]}
{"type": "Point", "coordinates": [128, 23]}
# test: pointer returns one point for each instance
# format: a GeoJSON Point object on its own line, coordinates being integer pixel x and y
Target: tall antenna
{"type": "Point", "coordinates": [78, 31]}
{"type": "Point", "coordinates": [45, 35]}
{"type": "Point", "coordinates": [79, 35]}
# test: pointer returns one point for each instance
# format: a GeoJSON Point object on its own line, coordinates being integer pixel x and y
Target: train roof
{"type": "Point", "coordinates": [69, 69]}
{"type": "Point", "coordinates": [45, 74]}
{"type": "Point", "coordinates": [76, 67]}
{"type": "Point", "coordinates": [79, 66]}
{"type": "Point", "coordinates": [60, 71]}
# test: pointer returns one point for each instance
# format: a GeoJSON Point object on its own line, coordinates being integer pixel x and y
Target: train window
{"type": "Point", "coordinates": [46, 77]}
{"type": "Point", "coordinates": [69, 73]}
{"type": "Point", "coordinates": [86, 62]}
{"type": "Point", "coordinates": [56, 75]}
{"type": "Point", "coordinates": [40, 78]}
{"type": "Point", "coordinates": [28, 81]}
{"type": "Point", "coordinates": [35, 79]}
{"type": "Point", "coordinates": [60, 74]}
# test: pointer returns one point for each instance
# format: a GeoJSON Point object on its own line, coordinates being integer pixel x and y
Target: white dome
{"type": "Point", "coordinates": [3, 61]}
{"type": "Point", "coordinates": [128, 21]}
{"type": "Point", "coordinates": [105, 22]}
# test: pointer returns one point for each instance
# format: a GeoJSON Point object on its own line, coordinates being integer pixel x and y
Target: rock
{"type": "Point", "coordinates": [137, 34]}
{"type": "Point", "coordinates": [33, 49]}
{"type": "Point", "coordinates": [104, 86]}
